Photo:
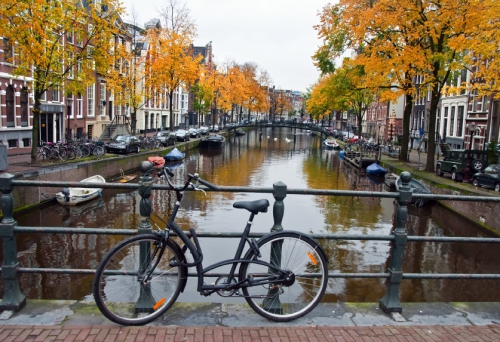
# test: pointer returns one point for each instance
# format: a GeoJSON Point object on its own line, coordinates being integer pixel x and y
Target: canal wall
{"type": "Point", "coordinates": [27, 197]}
{"type": "Point", "coordinates": [484, 214]}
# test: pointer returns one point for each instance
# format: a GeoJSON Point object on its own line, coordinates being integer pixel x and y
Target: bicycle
{"type": "Point", "coordinates": [282, 276]}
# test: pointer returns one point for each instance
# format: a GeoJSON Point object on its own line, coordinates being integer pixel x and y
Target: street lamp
{"type": "Point", "coordinates": [472, 127]}
{"type": "Point", "coordinates": [69, 105]}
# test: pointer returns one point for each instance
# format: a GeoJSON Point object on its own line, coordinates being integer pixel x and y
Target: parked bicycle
{"type": "Point", "coordinates": [282, 276]}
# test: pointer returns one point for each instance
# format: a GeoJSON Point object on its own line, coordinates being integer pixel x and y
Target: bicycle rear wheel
{"type": "Point", "coordinates": [120, 290]}
{"type": "Point", "coordinates": [295, 296]}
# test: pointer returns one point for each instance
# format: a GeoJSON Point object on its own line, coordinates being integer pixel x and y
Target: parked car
{"type": "Point", "coordinates": [490, 178]}
{"type": "Point", "coordinates": [214, 128]}
{"type": "Point", "coordinates": [123, 144]}
{"type": "Point", "coordinates": [182, 135]}
{"type": "Point", "coordinates": [194, 132]}
{"type": "Point", "coordinates": [166, 138]}
{"type": "Point", "coordinates": [203, 130]}
{"type": "Point", "coordinates": [455, 162]}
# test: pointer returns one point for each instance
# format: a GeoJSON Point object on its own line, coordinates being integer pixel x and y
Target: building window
{"type": "Point", "coordinates": [90, 100]}
{"type": "Point", "coordinates": [70, 36]}
{"type": "Point", "coordinates": [460, 120]}
{"type": "Point", "coordinates": [10, 106]}
{"type": "Point", "coordinates": [452, 121]}
{"type": "Point", "coordinates": [55, 94]}
{"type": "Point", "coordinates": [24, 107]}
{"type": "Point", "coordinates": [79, 106]}
{"type": "Point", "coordinates": [9, 52]}
{"type": "Point", "coordinates": [103, 99]}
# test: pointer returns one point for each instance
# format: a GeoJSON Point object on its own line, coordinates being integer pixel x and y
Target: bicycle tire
{"type": "Point", "coordinates": [117, 288]}
{"type": "Point", "coordinates": [78, 152]}
{"type": "Point", "coordinates": [299, 254]}
{"type": "Point", "coordinates": [51, 153]}
{"type": "Point", "coordinates": [71, 153]}
{"type": "Point", "coordinates": [85, 151]}
{"type": "Point", "coordinates": [63, 154]}
{"type": "Point", "coordinates": [99, 151]}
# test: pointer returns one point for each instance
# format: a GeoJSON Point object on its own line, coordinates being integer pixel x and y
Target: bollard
{"type": "Point", "coordinates": [390, 302]}
{"type": "Point", "coordinates": [273, 305]}
{"type": "Point", "coordinates": [145, 187]}
{"type": "Point", "coordinates": [13, 299]}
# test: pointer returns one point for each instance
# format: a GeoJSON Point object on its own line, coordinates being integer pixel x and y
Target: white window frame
{"type": "Point", "coordinates": [103, 98]}
{"type": "Point", "coordinates": [79, 108]}
{"type": "Point", "coordinates": [91, 100]}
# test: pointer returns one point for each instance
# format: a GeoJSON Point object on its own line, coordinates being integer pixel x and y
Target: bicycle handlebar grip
{"type": "Point", "coordinates": [207, 184]}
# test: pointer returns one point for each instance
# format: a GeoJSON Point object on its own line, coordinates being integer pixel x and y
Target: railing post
{"type": "Point", "coordinates": [145, 183]}
{"type": "Point", "coordinates": [13, 299]}
{"type": "Point", "coordinates": [390, 302]}
{"type": "Point", "coordinates": [273, 305]}
{"type": "Point", "coordinates": [279, 194]}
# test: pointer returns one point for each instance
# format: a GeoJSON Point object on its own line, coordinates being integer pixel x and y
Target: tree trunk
{"type": "Point", "coordinates": [171, 108]}
{"type": "Point", "coordinates": [36, 123]}
{"type": "Point", "coordinates": [406, 127]}
{"type": "Point", "coordinates": [431, 136]}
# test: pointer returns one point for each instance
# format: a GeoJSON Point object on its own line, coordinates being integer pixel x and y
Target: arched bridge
{"type": "Point", "coordinates": [298, 125]}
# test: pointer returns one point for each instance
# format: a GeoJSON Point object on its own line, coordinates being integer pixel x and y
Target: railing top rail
{"type": "Point", "coordinates": [289, 191]}
{"type": "Point", "coordinates": [264, 190]}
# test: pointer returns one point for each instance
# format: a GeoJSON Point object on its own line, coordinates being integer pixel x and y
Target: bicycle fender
{"type": "Point", "coordinates": [182, 269]}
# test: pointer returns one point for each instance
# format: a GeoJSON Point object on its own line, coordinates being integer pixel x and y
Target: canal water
{"type": "Point", "coordinates": [259, 159]}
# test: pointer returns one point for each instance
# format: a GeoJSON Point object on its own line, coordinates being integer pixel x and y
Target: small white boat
{"type": "Point", "coordinates": [74, 196]}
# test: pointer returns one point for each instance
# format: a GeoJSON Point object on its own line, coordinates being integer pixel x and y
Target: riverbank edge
{"type": "Point", "coordinates": [479, 213]}
{"type": "Point", "coordinates": [25, 199]}
{"type": "Point", "coordinates": [443, 185]}
{"type": "Point", "coordinates": [81, 313]}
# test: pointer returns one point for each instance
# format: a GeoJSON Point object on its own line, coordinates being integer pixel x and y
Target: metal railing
{"type": "Point", "coordinates": [14, 299]}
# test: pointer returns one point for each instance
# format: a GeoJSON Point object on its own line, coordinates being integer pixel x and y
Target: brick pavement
{"type": "Point", "coordinates": [271, 334]}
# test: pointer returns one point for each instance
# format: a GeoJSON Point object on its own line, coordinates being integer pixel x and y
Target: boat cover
{"type": "Point", "coordinates": [175, 154]}
{"type": "Point", "coordinates": [374, 168]}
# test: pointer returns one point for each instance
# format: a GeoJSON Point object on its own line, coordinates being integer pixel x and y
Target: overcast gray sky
{"type": "Point", "coordinates": [277, 35]}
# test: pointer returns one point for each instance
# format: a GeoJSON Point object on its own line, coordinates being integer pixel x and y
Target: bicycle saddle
{"type": "Point", "coordinates": [255, 207]}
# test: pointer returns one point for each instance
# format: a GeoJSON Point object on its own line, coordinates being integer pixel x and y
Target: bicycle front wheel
{"type": "Point", "coordinates": [121, 290]}
{"type": "Point", "coordinates": [303, 289]}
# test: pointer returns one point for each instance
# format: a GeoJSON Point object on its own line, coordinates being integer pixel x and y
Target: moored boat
{"type": "Point", "coordinates": [331, 144]}
{"type": "Point", "coordinates": [239, 131]}
{"type": "Point", "coordinates": [74, 196]}
{"type": "Point", "coordinates": [416, 187]}
{"type": "Point", "coordinates": [213, 141]}
{"type": "Point", "coordinates": [174, 155]}
{"type": "Point", "coordinates": [375, 170]}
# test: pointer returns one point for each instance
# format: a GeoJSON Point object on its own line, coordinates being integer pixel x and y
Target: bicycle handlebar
{"type": "Point", "coordinates": [168, 174]}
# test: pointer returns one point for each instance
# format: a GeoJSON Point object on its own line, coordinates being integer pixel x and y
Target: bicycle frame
{"type": "Point", "coordinates": [207, 289]}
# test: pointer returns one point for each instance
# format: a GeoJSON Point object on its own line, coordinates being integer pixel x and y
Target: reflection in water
{"type": "Point", "coordinates": [259, 159]}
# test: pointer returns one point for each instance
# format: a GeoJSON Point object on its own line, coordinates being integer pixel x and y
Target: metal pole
{"type": "Point", "coordinates": [390, 302]}
{"type": "Point", "coordinates": [13, 299]}
{"type": "Point", "coordinates": [273, 304]}
{"type": "Point", "coordinates": [145, 188]}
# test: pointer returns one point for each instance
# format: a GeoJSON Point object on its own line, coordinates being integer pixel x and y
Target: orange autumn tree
{"type": "Point", "coordinates": [126, 79]}
{"type": "Point", "coordinates": [255, 97]}
{"type": "Point", "coordinates": [170, 64]}
{"type": "Point", "coordinates": [413, 37]}
{"type": "Point", "coordinates": [58, 44]}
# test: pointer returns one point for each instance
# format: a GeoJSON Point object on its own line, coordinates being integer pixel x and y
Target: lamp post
{"type": "Point", "coordinates": [472, 127]}
{"type": "Point", "coordinates": [69, 105]}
